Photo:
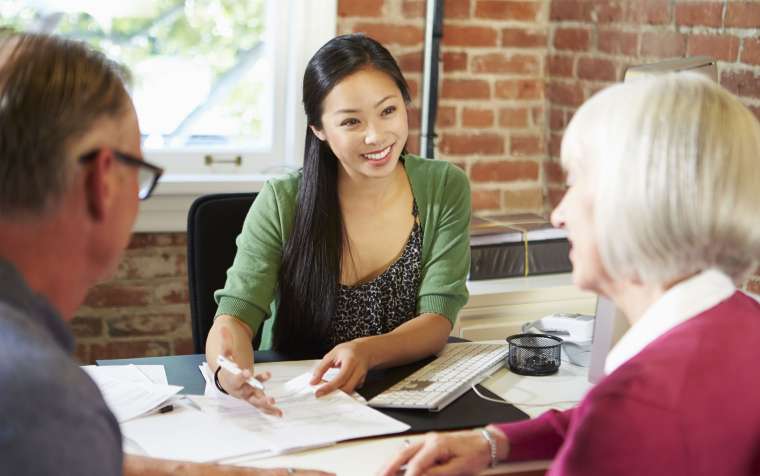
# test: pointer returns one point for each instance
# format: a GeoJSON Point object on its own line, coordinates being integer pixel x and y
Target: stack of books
{"type": "Point", "coordinates": [511, 245]}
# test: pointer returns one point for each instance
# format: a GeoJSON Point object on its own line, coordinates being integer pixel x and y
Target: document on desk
{"type": "Point", "coordinates": [187, 434]}
{"type": "Point", "coordinates": [130, 391]}
{"type": "Point", "coordinates": [307, 421]}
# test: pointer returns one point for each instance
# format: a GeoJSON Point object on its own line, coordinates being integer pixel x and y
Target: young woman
{"type": "Point", "coordinates": [661, 211]}
{"type": "Point", "coordinates": [359, 258]}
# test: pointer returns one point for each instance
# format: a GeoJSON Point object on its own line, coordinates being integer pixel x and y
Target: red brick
{"type": "Point", "coordinates": [413, 144]}
{"type": "Point", "coordinates": [617, 42]}
{"type": "Point", "coordinates": [153, 324]}
{"type": "Point", "coordinates": [596, 69]}
{"type": "Point", "coordinates": [465, 89]}
{"type": "Point", "coordinates": [607, 12]}
{"type": "Point", "coordinates": [486, 199]}
{"type": "Point", "coordinates": [655, 12]}
{"type": "Point", "coordinates": [183, 346]}
{"type": "Point", "coordinates": [464, 144]}
{"type": "Point", "coordinates": [575, 39]}
{"type": "Point", "coordinates": [414, 87]}
{"type": "Point", "coordinates": [526, 146]}
{"type": "Point", "coordinates": [118, 295]}
{"type": "Point", "coordinates": [128, 349]}
{"type": "Point", "coordinates": [558, 65]}
{"type": "Point", "coordinates": [174, 292]}
{"type": "Point", "coordinates": [742, 14]}
{"type": "Point", "coordinates": [521, 38]}
{"type": "Point", "coordinates": [539, 116]}
{"type": "Point", "coordinates": [724, 48]}
{"type": "Point", "coordinates": [447, 116]}
{"type": "Point", "coordinates": [456, 9]}
{"type": "Point", "coordinates": [365, 8]}
{"type": "Point", "coordinates": [663, 45]}
{"type": "Point", "coordinates": [156, 263]}
{"type": "Point", "coordinates": [86, 327]}
{"type": "Point", "coordinates": [751, 51]}
{"type": "Point", "coordinates": [554, 196]}
{"type": "Point", "coordinates": [410, 8]}
{"type": "Point", "coordinates": [557, 120]}
{"type": "Point", "coordinates": [410, 61]}
{"type": "Point", "coordinates": [513, 118]}
{"type": "Point", "coordinates": [567, 94]}
{"type": "Point", "coordinates": [392, 34]}
{"type": "Point", "coordinates": [507, 10]}
{"type": "Point", "coordinates": [555, 143]}
{"type": "Point", "coordinates": [519, 89]}
{"type": "Point", "coordinates": [563, 10]}
{"type": "Point", "coordinates": [469, 36]}
{"type": "Point", "coordinates": [699, 14]}
{"type": "Point", "coordinates": [504, 171]}
{"type": "Point", "coordinates": [742, 83]}
{"type": "Point", "coordinates": [82, 354]}
{"type": "Point", "coordinates": [413, 117]}
{"type": "Point", "coordinates": [503, 63]}
{"type": "Point", "coordinates": [477, 117]}
{"type": "Point", "coordinates": [454, 61]}
{"type": "Point", "coordinates": [553, 172]}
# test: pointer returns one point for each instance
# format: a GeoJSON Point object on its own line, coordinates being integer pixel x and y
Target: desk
{"type": "Point", "coordinates": [367, 455]}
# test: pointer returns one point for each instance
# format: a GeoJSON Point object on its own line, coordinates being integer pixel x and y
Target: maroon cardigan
{"type": "Point", "coordinates": [687, 404]}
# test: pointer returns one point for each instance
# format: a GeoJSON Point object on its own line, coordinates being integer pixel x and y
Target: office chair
{"type": "Point", "coordinates": [213, 223]}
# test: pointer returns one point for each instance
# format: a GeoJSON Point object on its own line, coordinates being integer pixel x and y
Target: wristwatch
{"type": "Point", "coordinates": [492, 444]}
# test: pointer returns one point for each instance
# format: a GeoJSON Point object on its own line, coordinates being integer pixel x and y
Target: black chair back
{"type": "Point", "coordinates": [213, 223]}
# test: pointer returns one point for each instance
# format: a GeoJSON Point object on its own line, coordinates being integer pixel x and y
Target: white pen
{"type": "Point", "coordinates": [233, 368]}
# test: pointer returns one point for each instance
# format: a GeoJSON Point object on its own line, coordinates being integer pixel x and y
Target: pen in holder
{"type": "Point", "coordinates": [534, 354]}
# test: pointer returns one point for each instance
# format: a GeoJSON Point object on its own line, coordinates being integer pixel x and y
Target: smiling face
{"type": "Point", "coordinates": [364, 121]}
{"type": "Point", "coordinates": [575, 214]}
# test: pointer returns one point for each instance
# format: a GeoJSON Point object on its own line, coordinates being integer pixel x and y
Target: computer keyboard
{"type": "Point", "coordinates": [452, 373]}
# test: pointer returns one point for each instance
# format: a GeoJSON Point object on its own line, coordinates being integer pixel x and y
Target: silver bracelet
{"type": "Point", "coordinates": [492, 444]}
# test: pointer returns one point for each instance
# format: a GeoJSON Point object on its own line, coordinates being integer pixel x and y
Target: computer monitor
{"type": "Point", "coordinates": [609, 326]}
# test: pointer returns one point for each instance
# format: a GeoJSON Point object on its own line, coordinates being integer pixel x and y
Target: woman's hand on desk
{"type": "Point", "coordinates": [462, 453]}
{"type": "Point", "coordinates": [353, 360]}
{"type": "Point", "coordinates": [238, 386]}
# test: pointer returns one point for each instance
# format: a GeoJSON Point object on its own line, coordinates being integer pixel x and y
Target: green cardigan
{"type": "Point", "coordinates": [442, 193]}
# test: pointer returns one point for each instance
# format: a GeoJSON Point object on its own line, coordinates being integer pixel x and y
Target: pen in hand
{"type": "Point", "coordinates": [233, 368]}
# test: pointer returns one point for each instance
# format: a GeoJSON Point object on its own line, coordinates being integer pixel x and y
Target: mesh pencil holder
{"type": "Point", "coordinates": [534, 354]}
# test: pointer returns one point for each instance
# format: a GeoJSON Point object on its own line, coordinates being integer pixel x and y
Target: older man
{"type": "Point", "coordinates": [71, 174]}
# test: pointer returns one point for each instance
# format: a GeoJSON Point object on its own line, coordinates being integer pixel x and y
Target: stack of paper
{"type": "Point", "coordinates": [220, 428]}
{"type": "Point", "coordinates": [130, 390]}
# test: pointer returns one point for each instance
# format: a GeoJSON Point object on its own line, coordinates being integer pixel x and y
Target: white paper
{"type": "Point", "coordinates": [130, 392]}
{"type": "Point", "coordinates": [307, 421]}
{"type": "Point", "coordinates": [190, 435]}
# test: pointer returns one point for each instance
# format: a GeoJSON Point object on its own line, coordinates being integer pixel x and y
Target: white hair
{"type": "Point", "coordinates": [675, 160]}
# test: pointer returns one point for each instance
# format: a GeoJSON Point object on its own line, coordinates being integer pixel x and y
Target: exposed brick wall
{"type": "Point", "coordinates": [513, 74]}
{"type": "Point", "coordinates": [591, 43]}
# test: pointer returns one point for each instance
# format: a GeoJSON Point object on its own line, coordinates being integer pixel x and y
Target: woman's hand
{"type": "Point", "coordinates": [237, 386]}
{"type": "Point", "coordinates": [461, 453]}
{"type": "Point", "coordinates": [352, 358]}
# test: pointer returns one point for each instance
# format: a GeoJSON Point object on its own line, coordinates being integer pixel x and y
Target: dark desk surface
{"type": "Point", "coordinates": [467, 411]}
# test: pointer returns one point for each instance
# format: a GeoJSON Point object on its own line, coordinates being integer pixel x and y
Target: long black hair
{"type": "Point", "coordinates": [310, 271]}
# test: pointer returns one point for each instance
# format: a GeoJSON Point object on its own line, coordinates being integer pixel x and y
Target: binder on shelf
{"type": "Point", "coordinates": [510, 245]}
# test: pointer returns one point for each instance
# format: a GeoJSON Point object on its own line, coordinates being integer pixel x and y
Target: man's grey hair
{"type": "Point", "coordinates": [52, 91]}
{"type": "Point", "coordinates": [675, 161]}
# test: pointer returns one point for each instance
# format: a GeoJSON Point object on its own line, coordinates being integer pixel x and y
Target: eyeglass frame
{"type": "Point", "coordinates": [132, 161]}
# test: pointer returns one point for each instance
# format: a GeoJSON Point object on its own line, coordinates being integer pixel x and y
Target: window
{"type": "Point", "coordinates": [216, 83]}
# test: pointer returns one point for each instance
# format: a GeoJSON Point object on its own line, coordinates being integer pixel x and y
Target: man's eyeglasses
{"type": "Point", "coordinates": [147, 173]}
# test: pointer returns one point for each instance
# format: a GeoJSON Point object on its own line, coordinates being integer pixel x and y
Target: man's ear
{"type": "Point", "coordinates": [319, 133]}
{"type": "Point", "coordinates": [98, 184]}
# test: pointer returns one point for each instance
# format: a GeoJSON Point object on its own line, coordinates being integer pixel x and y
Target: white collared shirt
{"type": "Point", "coordinates": [680, 303]}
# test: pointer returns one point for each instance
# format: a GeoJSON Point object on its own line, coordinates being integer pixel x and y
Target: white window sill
{"type": "Point", "coordinates": [166, 210]}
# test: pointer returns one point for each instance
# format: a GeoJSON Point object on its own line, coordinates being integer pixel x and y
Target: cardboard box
{"type": "Point", "coordinates": [516, 245]}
